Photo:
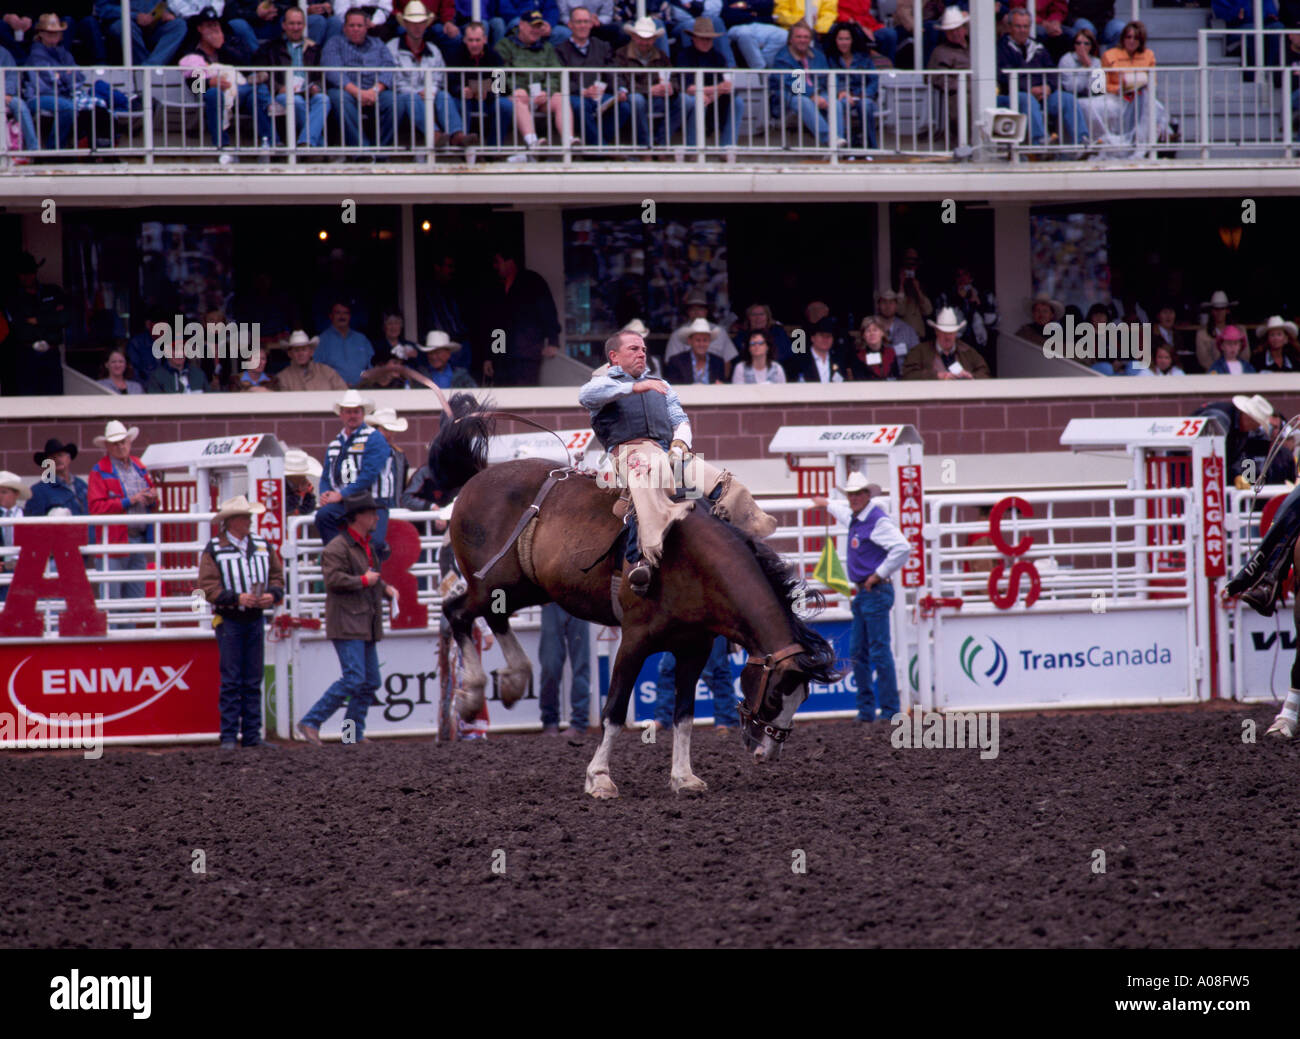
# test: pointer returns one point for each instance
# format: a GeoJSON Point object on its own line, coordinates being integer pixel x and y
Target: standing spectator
{"type": "Point", "coordinates": [761, 367]}
{"type": "Point", "coordinates": [120, 485]}
{"type": "Point", "coordinates": [526, 312]}
{"type": "Point", "coordinates": [304, 374]}
{"type": "Point", "coordinates": [354, 462]}
{"type": "Point", "coordinates": [945, 358]}
{"type": "Point", "coordinates": [1128, 97]}
{"type": "Point", "coordinates": [11, 89]}
{"type": "Point", "coordinates": [1037, 95]}
{"type": "Point", "coordinates": [354, 621]}
{"type": "Point", "coordinates": [301, 474]}
{"type": "Point", "coordinates": [847, 50]}
{"type": "Point", "coordinates": [819, 364]}
{"type": "Point", "coordinates": [758, 317]}
{"type": "Point", "coordinates": [176, 376]}
{"type": "Point", "coordinates": [439, 347]}
{"type": "Point", "coordinates": [1232, 342]}
{"type": "Point", "coordinates": [444, 307]}
{"type": "Point", "coordinates": [343, 348]}
{"type": "Point", "coordinates": [700, 365]}
{"type": "Point", "coordinates": [413, 54]}
{"type": "Point", "coordinates": [657, 110]}
{"type": "Point", "coordinates": [240, 575]}
{"type": "Point", "coordinates": [1097, 17]}
{"type": "Point", "coordinates": [12, 491]}
{"type": "Point", "coordinates": [353, 94]}
{"type": "Point", "coordinates": [875, 358]}
{"type": "Point", "coordinates": [1207, 338]}
{"type": "Point", "coordinates": [58, 489]}
{"type": "Point", "coordinates": [877, 551]}
{"type": "Point", "coordinates": [914, 306]}
{"type": "Point", "coordinates": [810, 101]}
{"type": "Point", "coordinates": [697, 309]}
{"type": "Point", "coordinates": [117, 375]}
{"type": "Point", "coordinates": [293, 50]}
{"type": "Point", "coordinates": [216, 63]}
{"type": "Point", "coordinates": [31, 365]}
{"type": "Point", "coordinates": [902, 336]}
{"type": "Point", "coordinates": [156, 33]}
{"type": "Point", "coordinates": [725, 109]}
{"type": "Point", "coordinates": [1279, 351]}
{"type": "Point", "coordinates": [563, 633]}
{"type": "Point", "coordinates": [492, 114]}
{"type": "Point", "coordinates": [528, 48]}
{"type": "Point", "coordinates": [717, 679]}
{"type": "Point", "coordinates": [751, 30]}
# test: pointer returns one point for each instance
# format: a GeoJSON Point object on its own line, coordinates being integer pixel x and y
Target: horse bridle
{"type": "Point", "coordinates": [768, 663]}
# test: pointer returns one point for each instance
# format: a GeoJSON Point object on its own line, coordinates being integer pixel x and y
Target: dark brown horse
{"type": "Point", "coordinates": [712, 580]}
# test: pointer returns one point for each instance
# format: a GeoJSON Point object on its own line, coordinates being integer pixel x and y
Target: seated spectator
{"type": "Point", "coordinates": [880, 37]}
{"type": "Point", "coordinates": [725, 108]}
{"type": "Point", "coordinates": [1218, 318]}
{"type": "Point", "coordinates": [54, 93]}
{"type": "Point", "coordinates": [858, 88]}
{"type": "Point", "coordinates": [12, 493]}
{"type": "Point", "coordinates": [808, 103]}
{"type": "Point", "coordinates": [751, 30]}
{"type": "Point", "coordinates": [1077, 78]}
{"type": "Point", "coordinates": [527, 48]}
{"type": "Point", "coordinates": [818, 363]}
{"type": "Point", "coordinates": [304, 374]}
{"type": "Point", "coordinates": [490, 114]}
{"type": "Point", "coordinates": [1279, 351]}
{"type": "Point", "coordinates": [979, 310]}
{"type": "Point", "coordinates": [30, 364]}
{"type": "Point", "coordinates": [311, 105]}
{"type": "Point", "coordinates": [396, 358]}
{"type": "Point", "coordinates": [1128, 98]}
{"type": "Point", "coordinates": [1165, 329]}
{"type": "Point", "coordinates": [902, 336]}
{"type": "Point", "coordinates": [684, 16]}
{"type": "Point", "coordinates": [761, 367]}
{"type": "Point", "coordinates": [438, 348]}
{"type": "Point", "coordinates": [341, 346]}
{"type": "Point", "coordinates": [11, 88]}
{"type": "Point", "coordinates": [1163, 360]}
{"type": "Point", "coordinates": [116, 374]}
{"type": "Point", "coordinates": [255, 378]}
{"type": "Point", "coordinates": [301, 477]}
{"type": "Point", "coordinates": [413, 54]}
{"type": "Point", "coordinates": [1043, 310]}
{"type": "Point", "coordinates": [156, 33]}
{"type": "Point", "coordinates": [944, 357]}
{"type": "Point", "coordinates": [1037, 94]}
{"type": "Point", "coordinates": [175, 375]}
{"type": "Point", "coordinates": [952, 53]}
{"type": "Point", "coordinates": [1232, 342]}
{"type": "Point", "coordinates": [356, 95]}
{"type": "Point", "coordinates": [552, 27]}
{"type": "Point", "coordinates": [379, 15]}
{"type": "Point", "coordinates": [758, 316]}
{"type": "Point", "coordinates": [216, 62]}
{"type": "Point", "coordinates": [1051, 20]}
{"type": "Point", "coordinates": [931, 11]}
{"type": "Point", "coordinates": [658, 107]}
{"type": "Point", "coordinates": [489, 17]}
{"type": "Point", "coordinates": [1097, 17]}
{"type": "Point", "coordinates": [874, 358]}
{"type": "Point", "coordinates": [697, 308]}
{"type": "Point", "coordinates": [594, 102]}
{"type": "Point", "coordinates": [394, 343]}
{"type": "Point", "coordinates": [698, 366]}
{"type": "Point", "coordinates": [58, 488]}
{"type": "Point", "coordinates": [607, 26]}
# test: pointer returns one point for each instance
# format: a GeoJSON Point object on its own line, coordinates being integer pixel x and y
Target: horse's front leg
{"type": "Point", "coordinates": [469, 697]}
{"type": "Point", "coordinates": [689, 664]}
{"type": "Point", "coordinates": [627, 665]}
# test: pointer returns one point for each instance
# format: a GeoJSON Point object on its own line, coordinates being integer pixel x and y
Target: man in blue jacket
{"type": "Point", "coordinates": [1038, 96]}
{"type": "Point", "coordinates": [355, 464]}
{"type": "Point", "coordinates": [804, 89]}
{"type": "Point", "coordinates": [163, 35]}
{"type": "Point", "coordinates": [58, 488]}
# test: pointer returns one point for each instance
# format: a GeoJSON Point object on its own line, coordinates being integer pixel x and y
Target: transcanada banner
{"type": "Point", "coordinates": [1124, 656]}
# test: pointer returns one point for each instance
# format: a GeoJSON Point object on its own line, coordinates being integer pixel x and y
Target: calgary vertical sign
{"type": "Point", "coordinates": [909, 522]}
{"type": "Point", "coordinates": [1212, 516]}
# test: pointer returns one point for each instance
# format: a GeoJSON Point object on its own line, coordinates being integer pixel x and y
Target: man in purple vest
{"type": "Point", "coordinates": [877, 550]}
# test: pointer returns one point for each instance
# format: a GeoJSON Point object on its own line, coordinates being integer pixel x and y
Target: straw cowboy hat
{"type": "Point", "coordinates": [51, 23]}
{"type": "Point", "coordinates": [703, 28]}
{"type": "Point", "coordinates": [437, 340]}
{"type": "Point", "coordinates": [1058, 308]}
{"type": "Point", "coordinates": [947, 321]}
{"type": "Point", "coordinates": [888, 294]}
{"type": "Point", "coordinates": [353, 399]}
{"type": "Point", "coordinates": [699, 326]}
{"type": "Point", "coordinates": [857, 482]}
{"type": "Point", "coordinates": [386, 418]}
{"type": "Point", "coordinates": [300, 463]}
{"type": "Point", "coordinates": [239, 505]}
{"type": "Point", "coordinates": [415, 14]}
{"type": "Point", "coordinates": [1255, 407]}
{"type": "Point", "coordinates": [15, 483]}
{"type": "Point", "coordinates": [52, 447]}
{"type": "Point", "coordinates": [1218, 300]}
{"type": "Point", "coordinates": [643, 27]}
{"type": "Point", "coordinates": [637, 327]}
{"type": "Point", "coordinates": [115, 433]}
{"type": "Point", "coordinates": [299, 338]}
{"type": "Point", "coordinates": [953, 18]}
{"type": "Point", "coordinates": [1275, 321]}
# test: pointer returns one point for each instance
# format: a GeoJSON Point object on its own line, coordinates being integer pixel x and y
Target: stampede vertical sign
{"type": "Point", "coordinates": [909, 522]}
{"type": "Point", "coordinates": [1212, 516]}
{"type": "Point", "coordinates": [270, 492]}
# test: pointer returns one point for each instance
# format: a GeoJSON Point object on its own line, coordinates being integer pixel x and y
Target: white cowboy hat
{"type": "Point", "coordinates": [637, 327]}
{"type": "Point", "coordinates": [953, 18]}
{"type": "Point", "coordinates": [299, 338]}
{"type": "Point", "coordinates": [947, 321]}
{"type": "Point", "coordinates": [888, 294]}
{"type": "Point", "coordinates": [15, 483]}
{"type": "Point", "coordinates": [115, 433]}
{"type": "Point", "coordinates": [1058, 308]}
{"type": "Point", "coordinates": [444, 513]}
{"type": "Point", "coordinates": [856, 482]}
{"type": "Point", "coordinates": [437, 340]}
{"type": "Point", "coordinates": [699, 326]}
{"type": "Point", "coordinates": [415, 14]}
{"type": "Point", "coordinates": [300, 463]}
{"type": "Point", "coordinates": [353, 399]}
{"type": "Point", "coordinates": [238, 506]}
{"type": "Point", "coordinates": [643, 27]}
{"type": "Point", "coordinates": [1255, 407]}
{"type": "Point", "coordinates": [1218, 299]}
{"type": "Point", "coordinates": [1275, 321]}
{"type": "Point", "coordinates": [386, 418]}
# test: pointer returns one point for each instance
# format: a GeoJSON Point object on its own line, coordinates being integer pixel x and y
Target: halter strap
{"type": "Point", "coordinates": [768, 663]}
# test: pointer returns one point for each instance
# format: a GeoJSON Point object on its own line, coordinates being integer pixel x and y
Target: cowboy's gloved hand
{"type": "Point", "coordinates": [1241, 483]}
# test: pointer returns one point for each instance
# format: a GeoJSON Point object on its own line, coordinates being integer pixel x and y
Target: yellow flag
{"type": "Point", "coordinates": [830, 571]}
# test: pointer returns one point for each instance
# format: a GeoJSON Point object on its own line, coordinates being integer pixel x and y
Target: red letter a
{"type": "Point", "coordinates": [39, 544]}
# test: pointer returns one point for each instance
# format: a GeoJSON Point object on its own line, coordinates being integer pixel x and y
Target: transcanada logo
{"type": "Point", "coordinates": [996, 657]}
{"type": "Point", "coordinates": [1096, 656]}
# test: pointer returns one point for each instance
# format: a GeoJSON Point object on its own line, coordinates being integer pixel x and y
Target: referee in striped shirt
{"type": "Point", "coordinates": [241, 575]}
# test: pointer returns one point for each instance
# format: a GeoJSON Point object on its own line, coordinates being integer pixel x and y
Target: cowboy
{"type": "Point", "coordinates": [877, 550]}
{"type": "Point", "coordinates": [301, 475]}
{"type": "Point", "coordinates": [641, 423]}
{"type": "Point", "coordinates": [945, 357]}
{"type": "Point", "coordinates": [241, 575]}
{"type": "Point", "coordinates": [697, 308]}
{"type": "Point", "coordinates": [120, 484]}
{"type": "Point", "coordinates": [354, 621]}
{"type": "Point", "coordinates": [58, 488]}
{"type": "Point", "coordinates": [700, 364]}
{"type": "Point", "coordinates": [304, 374]}
{"type": "Point", "coordinates": [12, 491]}
{"type": "Point", "coordinates": [397, 470]}
{"type": "Point", "coordinates": [439, 346]}
{"type": "Point", "coordinates": [354, 464]}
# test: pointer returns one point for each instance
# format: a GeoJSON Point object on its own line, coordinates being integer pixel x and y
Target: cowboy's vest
{"type": "Point", "coordinates": [634, 416]}
{"type": "Point", "coordinates": [343, 459]}
{"type": "Point", "coordinates": [392, 481]}
{"type": "Point", "coordinates": [865, 556]}
{"type": "Point", "coordinates": [240, 572]}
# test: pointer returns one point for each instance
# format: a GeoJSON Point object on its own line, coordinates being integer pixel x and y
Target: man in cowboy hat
{"type": "Point", "coordinates": [697, 308]}
{"type": "Point", "coordinates": [700, 365]}
{"type": "Point", "coordinates": [415, 54]}
{"type": "Point", "coordinates": [877, 551]}
{"type": "Point", "coordinates": [240, 574]}
{"type": "Point", "coordinates": [12, 491]}
{"type": "Point", "coordinates": [121, 485]}
{"type": "Point", "coordinates": [902, 336]}
{"type": "Point", "coordinates": [651, 95]}
{"type": "Point", "coordinates": [641, 424]}
{"type": "Point", "coordinates": [709, 49]}
{"type": "Point", "coordinates": [945, 357]}
{"type": "Point", "coordinates": [304, 374]}
{"type": "Point", "coordinates": [397, 470]}
{"type": "Point", "coordinates": [952, 52]}
{"type": "Point", "coordinates": [57, 488]}
{"type": "Point", "coordinates": [354, 620]}
{"type": "Point", "coordinates": [30, 364]}
{"type": "Point", "coordinates": [355, 462]}
{"type": "Point", "coordinates": [438, 348]}
{"type": "Point", "coordinates": [819, 364]}
{"type": "Point", "coordinates": [1043, 310]}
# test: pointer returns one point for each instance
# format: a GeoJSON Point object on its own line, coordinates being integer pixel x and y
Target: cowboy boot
{"type": "Point", "coordinates": [1263, 596]}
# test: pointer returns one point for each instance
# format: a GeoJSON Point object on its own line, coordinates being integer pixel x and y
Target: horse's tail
{"type": "Point", "coordinates": [460, 450]}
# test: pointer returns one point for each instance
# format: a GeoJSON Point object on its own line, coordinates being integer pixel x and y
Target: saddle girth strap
{"type": "Point", "coordinates": [529, 515]}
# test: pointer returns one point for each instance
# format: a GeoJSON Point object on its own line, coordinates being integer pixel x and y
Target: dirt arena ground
{"type": "Point", "coordinates": [392, 844]}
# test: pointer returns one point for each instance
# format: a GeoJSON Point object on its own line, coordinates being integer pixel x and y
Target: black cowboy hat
{"type": "Point", "coordinates": [358, 503]}
{"type": "Point", "coordinates": [52, 447]}
{"type": "Point", "coordinates": [826, 324]}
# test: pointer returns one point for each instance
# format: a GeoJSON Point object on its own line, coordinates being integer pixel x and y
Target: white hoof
{"type": "Point", "coordinates": [688, 785]}
{"type": "Point", "coordinates": [1281, 729]}
{"type": "Point", "coordinates": [467, 705]}
{"type": "Point", "coordinates": [601, 787]}
{"type": "Point", "coordinates": [514, 684]}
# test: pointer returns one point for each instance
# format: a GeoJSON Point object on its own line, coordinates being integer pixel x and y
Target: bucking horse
{"type": "Point", "coordinates": [529, 531]}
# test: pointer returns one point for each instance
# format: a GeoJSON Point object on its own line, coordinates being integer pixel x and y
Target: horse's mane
{"type": "Point", "coordinates": [460, 448]}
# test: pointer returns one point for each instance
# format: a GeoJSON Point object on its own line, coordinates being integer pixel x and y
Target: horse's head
{"type": "Point", "coordinates": [774, 686]}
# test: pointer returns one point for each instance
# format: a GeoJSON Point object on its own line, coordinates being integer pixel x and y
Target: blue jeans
{"type": "Point", "coordinates": [310, 114]}
{"type": "Point", "coordinates": [856, 118]}
{"type": "Point", "coordinates": [759, 43]}
{"type": "Point", "coordinates": [717, 678]}
{"type": "Point", "coordinates": [135, 561]}
{"type": "Point", "coordinates": [249, 99]}
{"type": "Point", "coordinates": [164, 40]}
{"type": "Point", "coordinates": [1109, 37]}
{"type": "Point", "coordinates": [349, 112]}
{"type": "Point", "coordinates": [729, 113]}
{"type": "Point", "coordinates": [64, 112]}
{"type": "Point", "coordinates": [492, 120]}
{"type": "Point", "coordinates": [330, 524]}
{"type": "Point", "coordinates": [242, 649]}
{"type": "Point", "coordinates": [592, 128]}
{"type": "Point", "coordinates": [887, 41]}
{"type": "Point", "coordinates": [561, 633]}
{"type": "Point", "coordinates": [869, 650]}
{"type": "Point", "coordinates": [666, 113]}
{"type": "Point", "coordinates": [446, 113]}
{"type": "Point", "coordinates": [323, 29]}
{"type": "Point", "coordinates": [1059, 104]}
{"type": "Point", "coordinates": [246, 33]}
{"type": "Point", "coordinates": [19, 111]}
{"type": "Point", "coordinates": [811, 117]}
{"type": "Point", "coordinates": [359, 662]}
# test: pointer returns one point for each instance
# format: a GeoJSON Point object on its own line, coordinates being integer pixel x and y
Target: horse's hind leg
{"type": "Point", "coordinates": [690, 661]}
{"type": "Point", "coordinates": [461, 617]}
{"type": "Point", "coordinates": [519, 669]}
